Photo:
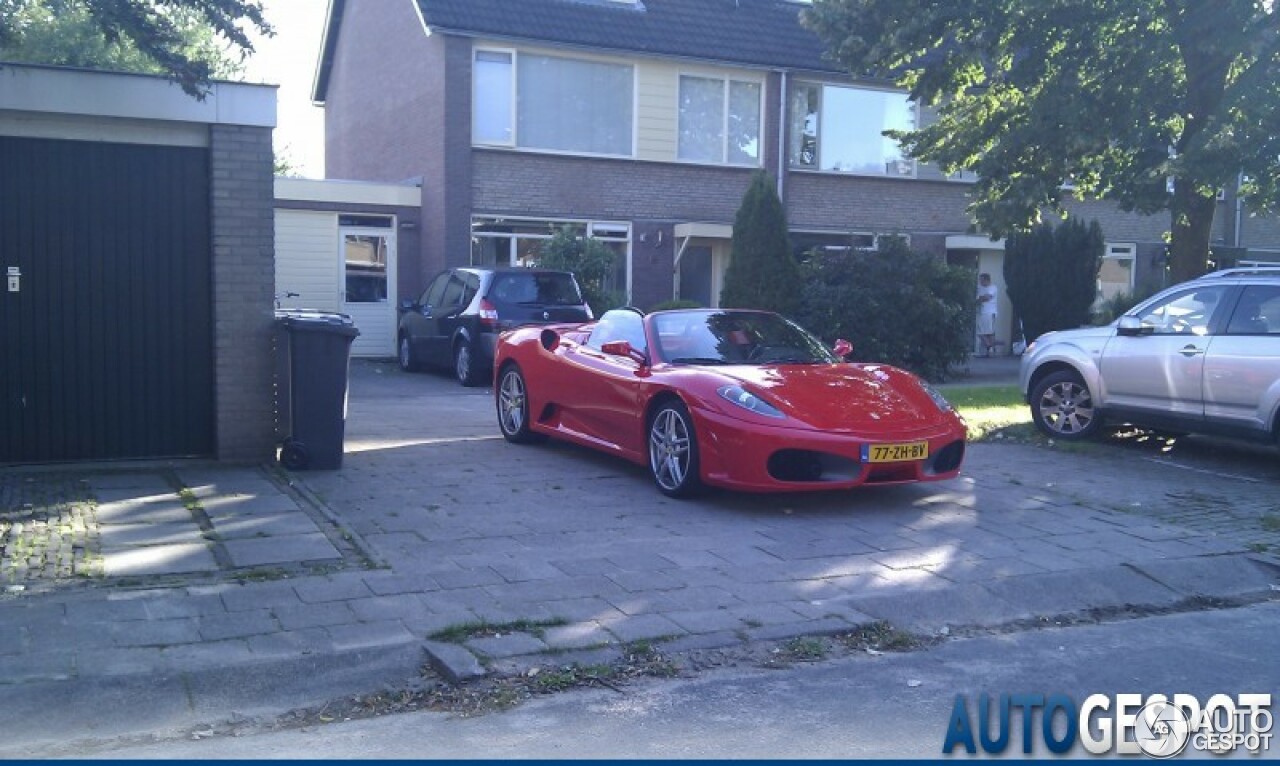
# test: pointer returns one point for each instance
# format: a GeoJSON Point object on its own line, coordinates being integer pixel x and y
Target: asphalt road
{"type": "Point", "coordinates": [873, 706]}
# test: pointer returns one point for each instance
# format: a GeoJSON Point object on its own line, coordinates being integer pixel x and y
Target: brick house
{"type": "Point", "coordinates": [640, 122]}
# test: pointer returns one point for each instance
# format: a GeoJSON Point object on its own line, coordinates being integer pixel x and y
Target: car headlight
{"type": "Point", "coordinates": [937, 397]}
{"type": "Point", "coordinates": [749, 401]}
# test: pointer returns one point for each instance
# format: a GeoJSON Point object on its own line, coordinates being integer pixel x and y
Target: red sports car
{"type": "Point", "coordinates": [739, 399]}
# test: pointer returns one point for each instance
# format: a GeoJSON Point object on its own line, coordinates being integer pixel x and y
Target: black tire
{"type": "Point", "coordinates": [1062, 407]}
{"type": "Point", "coordinates": [408, 362]}
{"type": "Point", "coordinates": [294, 456]}
{"type": "Point", "coordinates": [464, 364]}
{"type": "Point", "coordinates": [511, 396]}
{"type": "Point", "coordinates": [673, 451]}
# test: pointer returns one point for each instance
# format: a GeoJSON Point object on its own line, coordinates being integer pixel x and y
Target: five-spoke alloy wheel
{"type": "Point", "coordinates": [673, 451]}
{"type": "Point", "coordinates": [513, 406]}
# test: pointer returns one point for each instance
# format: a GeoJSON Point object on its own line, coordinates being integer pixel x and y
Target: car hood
{"type": "Point", "coordinates": [841, 397]}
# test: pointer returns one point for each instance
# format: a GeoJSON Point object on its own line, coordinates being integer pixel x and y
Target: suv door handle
{"type": "Point", "coordinates": [1190, 351]}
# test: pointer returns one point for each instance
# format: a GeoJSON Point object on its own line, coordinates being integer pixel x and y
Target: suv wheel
{"type": "Point", "coordinates": [464, 365]}
{"type": "Point", "coordinates": [1062, 407]}
{"type": "Point", "coordinates": [407, 361]}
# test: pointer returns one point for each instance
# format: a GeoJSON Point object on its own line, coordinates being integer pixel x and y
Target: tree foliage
{"type": "Point", "coordinates": [896, 306]}
{"type": "Point", "coordinates": [762, 272]}
{"type": "Point", "coordinates": [191, 41]}
{"type": "Point", "coordinates": [1052, 275]}
{"type": "Point", "coordinates": [590, 260]}
{"type": "Point", "coordinates": [1116, 97]}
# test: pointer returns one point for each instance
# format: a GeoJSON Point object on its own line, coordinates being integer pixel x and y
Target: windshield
{"type": "Point", "coordinates": [735, 337]}
{"type": "Point", "coordinates": [535, 288]}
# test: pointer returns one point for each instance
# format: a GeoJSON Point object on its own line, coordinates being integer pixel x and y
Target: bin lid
{"type": "Point", "coordinates": [313, 320]}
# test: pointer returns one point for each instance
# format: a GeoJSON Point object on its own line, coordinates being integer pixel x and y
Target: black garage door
{"type": "Point", "coordinates": [107, 334]}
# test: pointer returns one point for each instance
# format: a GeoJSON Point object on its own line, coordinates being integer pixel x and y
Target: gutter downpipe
{"type": "Point", "coordinates": [782, 136]}
{"type": "Point", "coordinates": [1239, 209]}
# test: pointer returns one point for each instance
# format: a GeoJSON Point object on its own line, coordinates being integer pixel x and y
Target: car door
{"type": "Point", "coordinates": [1161, 369]}
{"type": "Point", "coordinates": [416, 318]}
{"type": "Point", "coordinates": [606, 398]}
{"type": "Point", "coordinates": [1242, 368]}
{"type": "Point", "coordinates": [444, 321]}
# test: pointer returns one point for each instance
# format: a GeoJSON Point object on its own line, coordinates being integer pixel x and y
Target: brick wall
{"type": "Point", "coordinates": [243, 291]}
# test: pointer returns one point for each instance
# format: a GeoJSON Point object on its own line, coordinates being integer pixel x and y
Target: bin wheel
{"type": "Point", "coordinates": [294, 456]}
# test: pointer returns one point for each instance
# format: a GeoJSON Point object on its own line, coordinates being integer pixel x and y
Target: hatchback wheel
{"type": "Point", "coordinates": [408, 362]}
{"type": "Point", "coordinates": [512, 398]}
{"type": "Point", "coordinates": [464, 365]}
{"type": "Point", "coordinates": [673, 451]}
{"type": "Point", "coordinates": [1062, 407]}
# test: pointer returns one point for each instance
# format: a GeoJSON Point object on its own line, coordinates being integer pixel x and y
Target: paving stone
{"type": "Point", "coordinates": [706, 620]}
{"type": "Point", "coordinates": [209, 654]}
{"type": "Point", "coordinates": [261, 595]}
{"type": "Point", "coordinates": [16, 669]}
{"type": "Point", "coordinates": [1062, 592]}
{"type": "Point", "coordinates": [781, 632]}
{"type": "Point", "coordinates": [184, 605]}
{"type": "Point", "coordinates": [223, 507]}
{"type": "Point", "coordinates": [1216, 576]}
{"type": "Point", "coordinates": [120, 661]}
{"type": "Point", "coordinates": [582, 609]}
{"type": "Point", "coordinates": [579, 635]}
{"type": "Point", "coordinates": [102, 483]}
{"type": "Point", "coordinates": [526, 571]}
{"type": "Point", "coordinates": [284, 549]}
{"type": "Point", "coordinates": [380, 608]}
{"type": "Point", "coordinates": [390, 584]}
{"type": "Point", "coordinates": [643, 627]}
{"type": "Point", "coordinates": [428, 625]}
{"type": "Point", "coordinates": [468, 578]}
{"type": "Point", "coordinates": [758, 615]}
{"type": "Point", "coordinates": [586, 566]}
{"type": "Point", "coordinates": [315, 590]}
{"type": "Point", "coordinates": [216, 627]}
{"type": "Point", "coordinates": [151, 510]}
{"type": "Point", "coordinates": [159, 559]}
{"type": "Point", "coordinates": [291, 643]}
{"type": "Point", "coordinates": [154, 632]}
{"type": "Point", "coordinates": [314, 615]}
{"type": "Point", "coordinates": [507, 645]}
{"type": "Point", "coordinates": [369, 635]}
{"type": "Point", "coordinates": [117, 536]}
{"type": "Point", "coordinates": [453, 661]}
{"type": "Point", "coordinates": [958, 605]}
{"type": "Point", "coordinates": [264, 525]}
{"type": "Point", "coordinates": [702, 642]}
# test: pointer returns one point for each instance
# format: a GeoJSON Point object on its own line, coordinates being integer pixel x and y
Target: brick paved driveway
{"type": "Point", "coordinates": [478, 529]}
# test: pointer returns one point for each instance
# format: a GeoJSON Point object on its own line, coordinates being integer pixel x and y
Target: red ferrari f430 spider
{"type": "Point", "coordinates": [745, 400]}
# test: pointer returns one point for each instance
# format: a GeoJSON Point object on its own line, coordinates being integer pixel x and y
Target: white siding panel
{"type": "Point", "coordinates": [307, 259]}
{"type": "Point", "coordinates": [656, 111]}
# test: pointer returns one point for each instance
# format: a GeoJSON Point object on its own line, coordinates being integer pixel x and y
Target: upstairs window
{"type": "Point", "coordinates": [548, 102]}
{"type": "Point", "coordinates": [719, 121]}
{"type": "Point", "coordinates": [840, 129]}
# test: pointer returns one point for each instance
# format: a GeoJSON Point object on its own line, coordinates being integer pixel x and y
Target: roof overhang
{"type": "Point", "coordinates": [973, 242]}
{"type": "Point", "coordinates": [701, 229]}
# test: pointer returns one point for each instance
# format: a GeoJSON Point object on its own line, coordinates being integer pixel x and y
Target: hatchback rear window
{"type": "Point", "coordinates": [535, 289]}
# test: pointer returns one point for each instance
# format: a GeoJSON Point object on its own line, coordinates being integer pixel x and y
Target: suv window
{"type": "Point", "coordinates": [535, 289]}
{"type": "Point", "coordinates": [1186, 313]}
{"type": "Point", "coordinates": [1258, 312]}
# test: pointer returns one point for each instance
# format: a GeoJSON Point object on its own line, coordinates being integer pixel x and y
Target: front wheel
{"type": "Point", "coordinates": [408, 362]}
{"type": "Point", "coordinates": [512, 398]}
{"type": "Point", "coordinates": [464, 367]}
{"type": "Point", "coordinates": [673, 451]}
{"type": "Point", "coordinates": [1062, 407]}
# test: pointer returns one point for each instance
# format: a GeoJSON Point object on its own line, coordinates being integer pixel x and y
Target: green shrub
{"type": "Point", "coordinates": [1107, 311]}
{"type": "Point", "coordinates": [762, 273]}
{"type": "Point", "coordinates": [591, 261]}
{"type": "Point", "coordinates": [897, 306]}
{"type": "Point", "coordinates": [1052, 275]}
{"type": "Point", "coordinates": [675, 304]}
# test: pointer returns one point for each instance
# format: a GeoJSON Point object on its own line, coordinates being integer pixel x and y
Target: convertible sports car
{"type": "Point", "coordinates": [745, 400]}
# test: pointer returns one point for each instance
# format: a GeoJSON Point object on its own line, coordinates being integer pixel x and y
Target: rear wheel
{"type": "Point", "coordinates": [1062, 407]}
{"type": "Point", "coordinates": [512, 398]}
{"type": "Point", "coordinates": [673, 451]}
{"type": "Point", "coordinates": [464, 367]}
{"type": "Point", "coordinates": [408, 362]}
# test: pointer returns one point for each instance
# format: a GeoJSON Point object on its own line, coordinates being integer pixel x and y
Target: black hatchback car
{"type": "Point", "coordinates": [456, 321]}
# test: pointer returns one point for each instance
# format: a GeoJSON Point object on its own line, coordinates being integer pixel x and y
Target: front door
{"type": "Point", "coordinates": [695, 275]}
{"type": "Point", "coordinates": [368, 290]}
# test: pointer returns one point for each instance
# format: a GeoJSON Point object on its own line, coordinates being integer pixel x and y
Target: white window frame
{"type": "Point", "coordinates": [725, 81]}
{"type": "Point", "coordinates": [817, 168]}
{"type": "Point", "coordinates": [605, 231]}
{"type": "Point", "coordinates": [514, 143]}
{"type": "Point", "coordinates": [1121, 251]}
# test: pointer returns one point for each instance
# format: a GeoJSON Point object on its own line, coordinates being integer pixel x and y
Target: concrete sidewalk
{"type": "Point", "coordinates": [435, 523]}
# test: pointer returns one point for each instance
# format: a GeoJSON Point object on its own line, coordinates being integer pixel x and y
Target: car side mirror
{"type": "Point", "coordinates": [623, 348]}
{"type": "Point", "coordinates": [1132, 326]}
{"type": "Point", "coordinates": [842, 348]}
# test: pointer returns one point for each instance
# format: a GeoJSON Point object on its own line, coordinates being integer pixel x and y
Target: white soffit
{"type": "Point", "coordinates": [348, 192]}
{"type": "Point", "coordinates": [973, 242]}
{"type": "Point", "coordinates": [54, 90]}
{"type": "Point", "coordinates": [708, 230]}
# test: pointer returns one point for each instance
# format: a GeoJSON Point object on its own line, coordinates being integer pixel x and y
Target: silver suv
{"type": "Point", "coordinates": [1202, 356]}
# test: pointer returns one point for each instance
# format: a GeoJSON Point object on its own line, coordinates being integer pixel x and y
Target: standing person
{"type": "Point", "coordinates": [986, 313]}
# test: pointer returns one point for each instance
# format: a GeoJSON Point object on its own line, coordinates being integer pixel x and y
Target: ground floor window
{"type": "Point", "coordinates": [365, 243]}
{"type": "Point", "coordinates": [502, 241]}
{"type": "Point", "coordinates": [806, 243]}
{"type": "Point", "coordinates": [1115, 275]}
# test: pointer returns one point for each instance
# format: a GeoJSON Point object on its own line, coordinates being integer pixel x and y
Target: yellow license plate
{"type": "Point", "coordinates": [894, 453]}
